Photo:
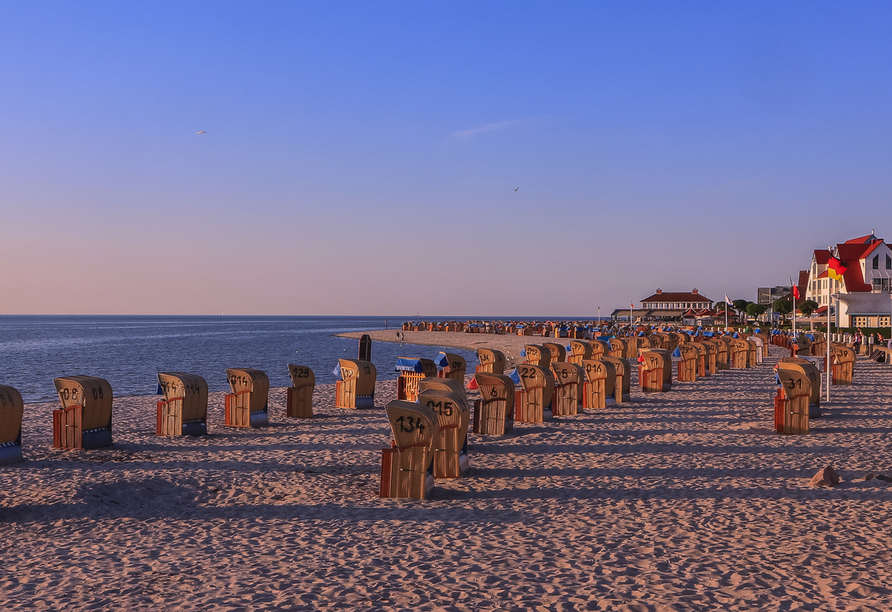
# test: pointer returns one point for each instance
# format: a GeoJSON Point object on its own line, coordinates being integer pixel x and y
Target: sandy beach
{"type": "Point", "coordinates": [683, 500]}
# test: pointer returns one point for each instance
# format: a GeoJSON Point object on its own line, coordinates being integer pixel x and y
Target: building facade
{"type": "Point", "coordinates": [865, 291]}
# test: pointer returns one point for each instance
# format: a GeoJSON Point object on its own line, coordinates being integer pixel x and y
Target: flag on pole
{"type": "Point", "coordinates": [631, 304]}
{"type": "Point", "coordinates": [836, 268]}
{"type": "Point", "coordinates": [795, 292]}
{"type": "Point", "coordinates": [727, 300]}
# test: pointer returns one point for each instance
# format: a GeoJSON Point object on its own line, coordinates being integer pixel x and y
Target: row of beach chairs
{"type": "Point", "coordinates": [554, 380]}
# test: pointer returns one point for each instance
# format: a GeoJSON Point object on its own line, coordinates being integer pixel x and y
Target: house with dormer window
{"type": "Point", "coordinates": [865, 291]}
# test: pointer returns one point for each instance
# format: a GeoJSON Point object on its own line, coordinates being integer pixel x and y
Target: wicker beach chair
{"type": "Point", "coordinates": [687, 366]}
{"type": "Point", "coordinates": [184, 409]}
{"type": "Point", "coordinates": [451, 444]}
{"type": "Point", "coordinates": [406, 467]}
{"type": "Point", "coordinates": [491, 360]}
{"type": "Point", "coordinates": [356, 389]}
{"type": "Point", "coordinates": [299, 397]}
{"type": "Point", "coordinates": [702, 359]}
{"type": "Point", "coordinates": [451, 366]}
{"type": "Point", "coordinates": [248, 404]}
{"type": "Point", "coordinates": [569, 381]}
{"type": "Point", "coordinates": [557, 352]}
{"type": "Point", "coordinates": [85, 420]}
{"type": "Point", "coordinates": [810, 371]}
{"type": "Point", "coordinates": [537, 355]}
{"type": "Point", "coordinates": [494, 411]}
{"type": "Point", "coordinates": [11, 411]}
{"type": "Point", "coordinates": [412, 371]}
{"type": "Point", "coordinates": [532, 403]}
{"type": "Point", "coordinates": [791, 405]}
{"type": "Point", "coordinates": [842, 366]}
{"type": "Point", "coordinates": [600, 383]}
{"type": "Point", "coordinates": [651, 370]}
{"type": "Point", "coordinates": [622, 384]}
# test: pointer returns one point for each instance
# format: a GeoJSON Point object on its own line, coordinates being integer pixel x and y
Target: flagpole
{"type": "Point", "coordinates": [794, 306]}
{"type": "Point", "coordinates": [827, 339]}
{"type": "Point", "coordinates": [827, 359]}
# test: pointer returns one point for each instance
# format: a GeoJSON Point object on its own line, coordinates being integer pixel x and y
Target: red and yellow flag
{"type": "Point", "coordinates": [835, 268]}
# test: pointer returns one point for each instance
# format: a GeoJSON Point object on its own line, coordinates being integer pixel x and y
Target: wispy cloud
{"type": "Point", "coordinates": [489, 127]}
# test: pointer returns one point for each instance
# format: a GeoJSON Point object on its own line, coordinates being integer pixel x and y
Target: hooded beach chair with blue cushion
{"type": "Point", "coordinates": [85, 420]}
{"type": "Point", "coordinates": [248, 404]}
{"type": "Point", "coordinates": [11, 411]}
{"type": "Point", "coordinates": [356, 389]}
{"type": "Point", "coordinates": [184, 409]}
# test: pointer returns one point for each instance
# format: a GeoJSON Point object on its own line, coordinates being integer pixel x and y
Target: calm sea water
{"type": "Point", "coordinates": [129, 351]}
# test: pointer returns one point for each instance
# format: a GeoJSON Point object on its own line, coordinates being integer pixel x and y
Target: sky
{"type": "Point", "coordinates": [433, 158]}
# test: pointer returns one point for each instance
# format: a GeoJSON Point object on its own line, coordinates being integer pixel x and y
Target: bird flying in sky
{"type": "Point", "coordinates": [203, 132]}
{"type": "Point", "coordinates": [516, 188]}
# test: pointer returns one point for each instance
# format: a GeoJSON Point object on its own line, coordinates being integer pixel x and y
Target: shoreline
{"type": "Point", "coordinates": [509, 344]}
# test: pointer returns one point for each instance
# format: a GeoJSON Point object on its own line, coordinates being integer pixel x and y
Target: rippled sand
{"type": "Point", "coordinates": [678, 501]}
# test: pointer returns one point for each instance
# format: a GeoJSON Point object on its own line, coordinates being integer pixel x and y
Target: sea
{"type": "Point", "coordinates": [129, 351]}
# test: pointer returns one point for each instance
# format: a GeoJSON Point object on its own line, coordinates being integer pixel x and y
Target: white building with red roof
{"type": "Point", "coordinates": [865, 291]}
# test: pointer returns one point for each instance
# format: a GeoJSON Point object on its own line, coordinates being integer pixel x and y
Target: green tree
{"type": "Point", "coordinates": [783, 308]}
{"type": "Point", "coordinates": [807, 307]}
{"type": "Point", "coordinates": [755, 310]}
{"type": "Point", "coordinates": [740, 305]}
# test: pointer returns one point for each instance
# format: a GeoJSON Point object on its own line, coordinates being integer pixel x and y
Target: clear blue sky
{"type": "Point", "coordinates": [362, 157]}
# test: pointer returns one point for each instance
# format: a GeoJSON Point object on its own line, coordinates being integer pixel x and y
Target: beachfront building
{"type": "Point", "coordinates": [865, 291]}
{"type": "Point", "coordinates": [674, 306]}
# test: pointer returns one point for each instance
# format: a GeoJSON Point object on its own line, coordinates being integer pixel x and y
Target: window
{"type": "Point", "coordinates": [883, 321]}
{"type": "Point", "coordinates": [876, 262]}
{"type": "Point", "coordinates": [888, 262]}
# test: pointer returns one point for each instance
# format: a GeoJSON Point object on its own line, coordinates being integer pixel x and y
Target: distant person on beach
{"type": "Point", "coordinates": [857, 340]}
